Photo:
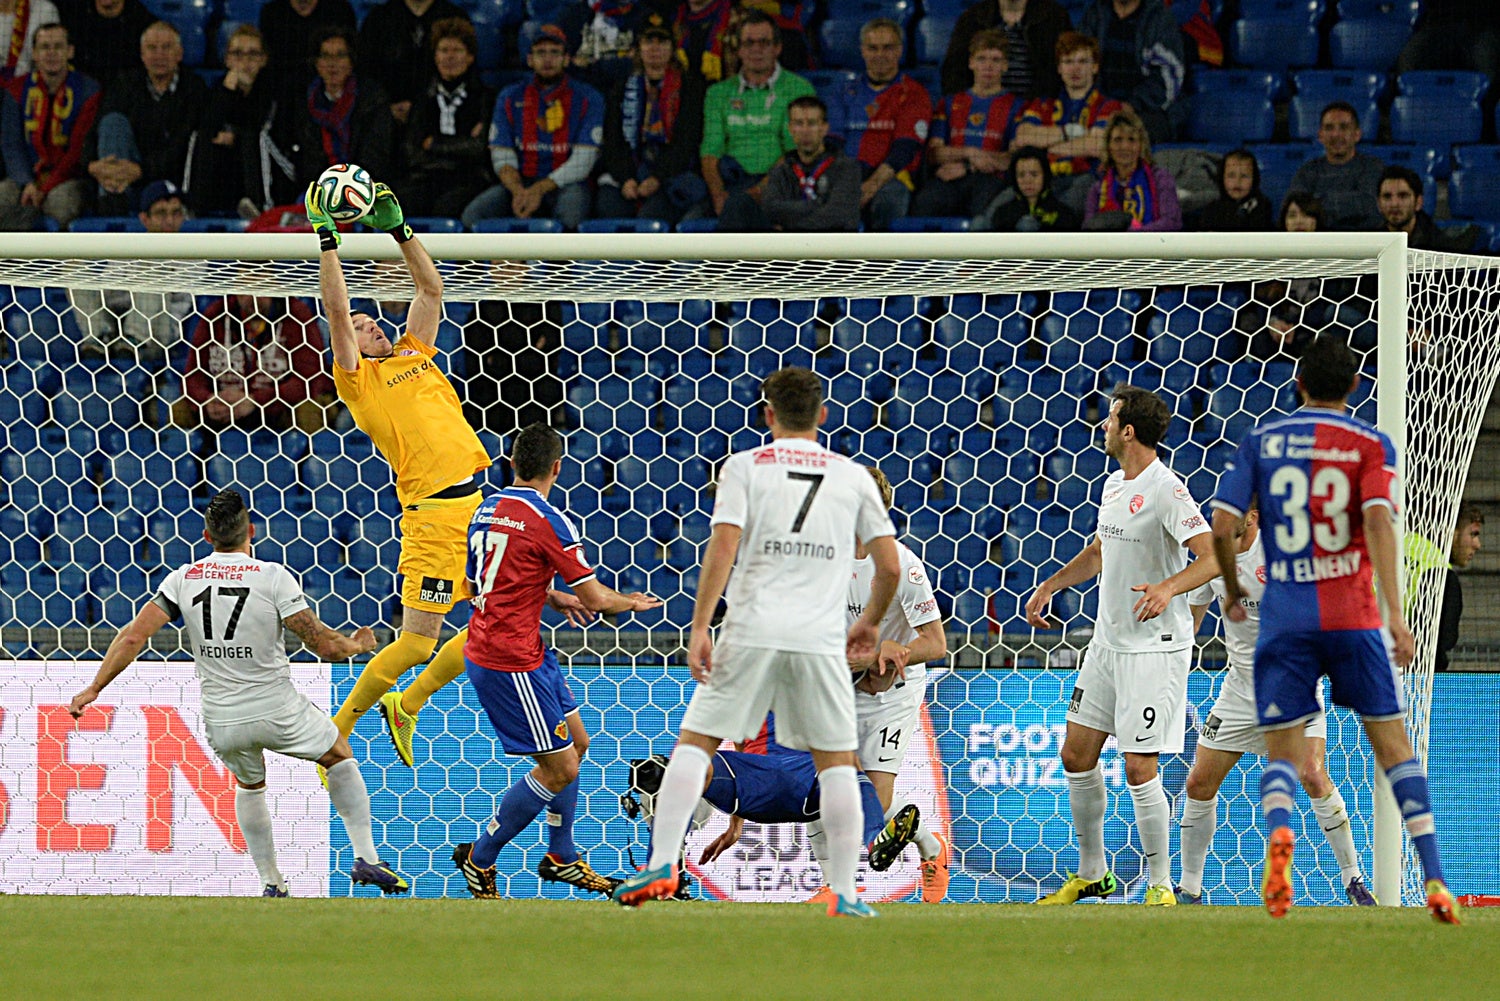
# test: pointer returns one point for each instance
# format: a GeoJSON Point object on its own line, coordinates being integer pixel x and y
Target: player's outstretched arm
{"type": "Point", "coordinates": [123, 650]}
{"type": "Point", "coordinates": [1226, 523]}
{"type": "Point", "coordinates": [330, 644]}
{"type": "Point", "coordinates": [1154, 598]}
{"type": "Point", "coordinates": [725, 841]}
{"type": "Point", "coordinates": [331, 286]}
{"type": "Point", "coordinates": [607, 601]}
{"type": "Point", "coordinates": [1381, 538]}
{"type": "Point", "coordinates": [568, 604]}
{"type": "Point", "coordinates": [427, 308]}
{"type": "Point", "coordinates": [1084, 566]}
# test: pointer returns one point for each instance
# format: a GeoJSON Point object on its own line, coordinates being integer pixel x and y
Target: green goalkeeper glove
{"type": "Point", "coordinates": [386, 214]}
{"type": "Point", "coordinates": [328, 232]}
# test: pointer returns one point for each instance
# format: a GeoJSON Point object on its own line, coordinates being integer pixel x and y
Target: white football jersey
{"type": "Point", "coordinates": [914, 604]}
{"type": "Point", "coordinates": [1143, 525]}
{"type": "Point", "coordinates": [231, 606]}
{"type": "Point", "coordinates": [1239, 637]}
{"type": "Point", "coordinates": [801, 507]}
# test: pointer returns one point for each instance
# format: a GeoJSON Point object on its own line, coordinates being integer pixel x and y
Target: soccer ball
{"type": "Point", "coordinates": [348, 192]}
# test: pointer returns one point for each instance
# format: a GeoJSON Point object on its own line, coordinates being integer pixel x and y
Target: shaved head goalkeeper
{"type": "Point", "coordinates": [410, 411]}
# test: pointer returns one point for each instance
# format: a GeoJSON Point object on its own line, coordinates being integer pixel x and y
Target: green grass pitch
{"type": "Point", "coordinates": [416, 950]}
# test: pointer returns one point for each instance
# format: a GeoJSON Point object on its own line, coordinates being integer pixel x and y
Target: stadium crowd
{"type": "Point", "coordinates": [650, 115]}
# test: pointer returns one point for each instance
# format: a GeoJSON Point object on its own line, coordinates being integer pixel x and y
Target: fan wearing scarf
{"type": "Point", "coordinates": [346, 118]}
{"type": "Point", "coordinates": [544, 141]}
{"type": "Point", "coordinates": [702, 28]}
{"type": "Point", "coordinates": [653, 124]}
{"type": "Point", "coordinates": [47, 115]}
{"type": "Point", "coordinates": [1134, 193]}
{"type": "Point", "coordinates": [811, 190]}
{"type": "Point", "coordinates": [19, 21]}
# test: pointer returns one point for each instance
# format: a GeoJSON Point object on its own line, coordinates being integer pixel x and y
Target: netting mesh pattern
{"type": "Point", "coordinates": [981, 404]}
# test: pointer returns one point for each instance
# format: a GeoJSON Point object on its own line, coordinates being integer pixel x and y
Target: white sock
{"type": "Point", "coordinates": [254, 818]}
{"type": "Point", "coordinates": [1334, 820]}
{"type": "Point", "coordinates": [928, 847]}
{"type": "Point", "coordinates": [1087, 800]}
{"type": "Point", "coordinates": [817, 840]}
{"type": "Point", "coordinates": [843, 820]}
{"type": "Point", "coordinates": [681, 788]}
{"type": "Point", "coordinates": [1153, 819]}
{"type": "Point", "coordinates": [346, 787]}
{"type": "Point", "coordinates": [1199, 818]}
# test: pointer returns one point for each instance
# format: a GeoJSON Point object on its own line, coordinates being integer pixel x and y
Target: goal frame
{"type": "Point", "coordinates": [1387, 250]}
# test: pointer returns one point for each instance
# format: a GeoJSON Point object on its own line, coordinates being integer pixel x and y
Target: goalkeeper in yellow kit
{"type": "Point", "coordinates": [410, 411]}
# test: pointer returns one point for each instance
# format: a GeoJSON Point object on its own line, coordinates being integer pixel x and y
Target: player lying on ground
{"type": "Point", "coordinates": [1310, 472]}
{"type": "Point", "coordinates": [517, 542]}
{"type": "Point", "coordinates": [410, 411]}
{"type": "Point", "coordinates": [1133, 680]}
{"type": "Point", "coordinates": [768, 783]}
{"type": "Point", "coordinates": [888, 709]}
{"type": "Point", "coordinates": [790, 511]}
{"type": "Point", "coordinates": [1231, 731]}
{"type": "Point", "coordinates": [232, 608]}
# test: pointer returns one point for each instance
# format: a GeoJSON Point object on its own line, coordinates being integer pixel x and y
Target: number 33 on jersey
{"type": "Point", "coordinates": [1314, 473]}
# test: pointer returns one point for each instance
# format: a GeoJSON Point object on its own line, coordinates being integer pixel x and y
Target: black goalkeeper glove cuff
{"type": "Point", "coordinates": [401, 233]}
{"type": "Point", "coordinates": [328, 239]}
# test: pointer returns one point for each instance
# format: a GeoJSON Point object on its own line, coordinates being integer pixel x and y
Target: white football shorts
{"type": "Point", "coordinates": [1141, 698]}
{"type": "Point", "coordinates": [298, 730]}
{"type": "Point", "coordinates": [1231, 724]}
{"type": "Point", "coordinates": [810, 694]}
{"type": "Point", "coordinates": [888, 722]}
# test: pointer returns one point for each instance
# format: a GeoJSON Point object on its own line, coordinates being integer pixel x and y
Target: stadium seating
{"type": "Point", "coordinates": [1273, 43]}
{"type": "Point", "coordinates": [1473, 189]}
{"type": "Point", "coordinates": [1304, 11]}
{"type": "Point", "coordinates": [930, 38]}
{"type": "Point", "coordinates": [623, 226]}
{"type": "Point", "coordinates": [1457, 85]}
{"type": "Point", "coordinates": [931, 224]}
{"type": "Point", "coordinates": [1278, 163]}
{"type": "Point", "coordinates": [1229, 117]}
{"type": "Point", "coordinates": [191, 19]}
{"type": "Point", "coordinates": [1404, 11]}
{"type": "Point", "coordinates": [1358, 87]}
{"type": "Point", "coordinates": [512, 225]}
{"type": "Point", "coordinates": [900, 11]}
{"type": "Point", "coordinates": [106, 224]}
{"type": "Point", "coordinates": [1248, 82]}
{"type": "Point", "coordinates": [212, 225]}
{"type": "Point", "coordinates": [1367, 43]}
{"type": "Point", "coordinates": [488, 20]}
{"type": "Point", "coordinates": [1433, 120]}
{"type": "Point", "coordinates": [839, 38]}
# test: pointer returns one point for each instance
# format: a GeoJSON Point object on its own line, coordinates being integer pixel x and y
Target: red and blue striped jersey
{"type": "Point", "coordinates": [885, 125]}
{"type": "Point", "coordinates": [517, 543]}
{"type": "Point", "coordinates": [1092, 111]}
{"type": "Point", "coordinates": [970, 120]}
{"type": "Point", "coordinates": [543, 125]}
{"type": "Point", "coordinates": [1314, 474]}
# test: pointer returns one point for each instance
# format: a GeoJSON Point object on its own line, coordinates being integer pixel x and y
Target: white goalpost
{"type": "Point", "coordinates": [970, 367]}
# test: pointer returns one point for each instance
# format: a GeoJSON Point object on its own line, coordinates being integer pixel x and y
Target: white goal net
{"type": "Point", "coordinates": [972, 371]}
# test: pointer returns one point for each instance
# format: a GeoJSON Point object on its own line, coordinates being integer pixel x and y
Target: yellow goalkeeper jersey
{"type": "Point", "coordinates": [410, 411]}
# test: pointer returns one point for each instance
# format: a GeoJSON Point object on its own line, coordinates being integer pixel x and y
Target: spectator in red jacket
{"type": "Point", "coordinates": [255, 361]}
{"type": "Point", "coordinates": [45, 119]}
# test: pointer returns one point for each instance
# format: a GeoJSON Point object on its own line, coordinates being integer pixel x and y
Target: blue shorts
{"type": "Point", "coordinates": [765, 788]}
{"type": "Point", "coordinates": [1358, 663]}
{"type": "Point", "coordinates": [528, 709]}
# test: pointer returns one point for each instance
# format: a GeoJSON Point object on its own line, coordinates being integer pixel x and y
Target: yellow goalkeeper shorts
{"type": "Point", "coordinates": [434, 553]}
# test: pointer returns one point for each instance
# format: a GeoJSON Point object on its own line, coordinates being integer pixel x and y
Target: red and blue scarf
{"type": "Point", "coordinates": [1137, 196]}
{"type": "Point", "coordinates": [335, 118]}
{"type": "Point", "coordinates": [649, 120]}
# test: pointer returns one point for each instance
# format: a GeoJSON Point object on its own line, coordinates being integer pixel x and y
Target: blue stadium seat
{"type": "Point", "coordinates": [1358, 87]}
{"type": "Point", "coordinates": [828, 80]}
{"type": "Point", "coordinates": [697, 225]}
{"type": "Point", "coordinates": [213, 225]}
{"type": "Point", "coordinates": [545, 11]}
{"type": "Point", "coordinates": [1456, 84]}
{"type": "Point", "coordinates": [518, 226]}
{"type": "Point", "coordinates": [623, 226]}
{"type": "Point", "coordinates": [1305, 113]}
{"type": "Point", "coordinates": [435, 224]}
{"type": "Point", "coordinates": [1473, 192]}
{"type": "Point", "coordinates": [1434, 120]}
{"type": "Point", "coordinates": [106, 224]}
{"type": "Point", "coordinates": [1367, 43]}
{"type": "Point", "coordinates": [899, 11]}
{"type": "Point", "coordinates": [1273, 43]}
{"type": "Point", "coordinates": [930, 38]}
{"type": "Point", "coordinates": [1266, 83]}
{"type": "Point", "coordinates": [190, 18]}
{"type": "Point", "coordinates": [1278, 163]}
{"type": "Point", "coordinates": [1303, 11]}
{"type": "Point", "coordinates": [1405, 11]}
{"type": "Point", "coordinates": [1229, 117]}
{"type": "Point", "coordinates": [947, 8]}
{"type": "Point", "coordinates": [839, 38]}
{"type": "Point", "coordinates": [931, 224]}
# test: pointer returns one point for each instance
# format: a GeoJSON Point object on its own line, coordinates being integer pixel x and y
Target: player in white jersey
{"type": "Point", "coordinates": [1232, 730]}
{"type": "Point", "coordinates": [791, 511]}
{"type": "Point", "coordinates": [1133, 680]}
{"type": "Point", "coordinates": [888, 709]}
{"type": "Point", "coordinates": [233, 608]}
